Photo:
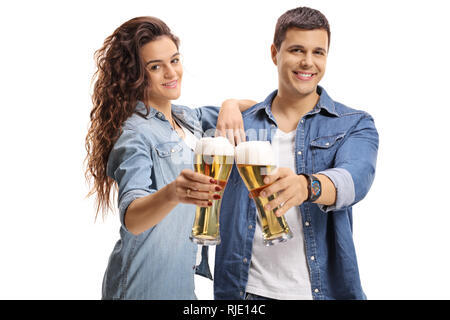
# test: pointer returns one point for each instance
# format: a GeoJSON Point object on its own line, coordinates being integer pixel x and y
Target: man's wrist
{"type": "Point", "coordinates": [314, 187]}
{"type": "Point", "coordinates": [304, 184]}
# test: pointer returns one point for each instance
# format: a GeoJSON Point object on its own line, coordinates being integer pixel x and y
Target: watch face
{"type": "Point", "coordinates": [315, 189]}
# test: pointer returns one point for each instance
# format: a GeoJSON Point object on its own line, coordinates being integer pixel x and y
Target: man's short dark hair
{"type": "Point", "coordinates": [303, 18]}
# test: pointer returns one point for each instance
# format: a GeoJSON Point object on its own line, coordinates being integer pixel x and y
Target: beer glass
{"type": "Point", "coordinates": [213, 157]}
{"type": "Point", "coordinates": [255, 160]}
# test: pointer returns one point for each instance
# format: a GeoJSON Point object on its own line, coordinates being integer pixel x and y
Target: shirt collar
{"type": "Point", "coordinates": [142, 109]}
{"type": "Point", "coordinates": [325, 103]}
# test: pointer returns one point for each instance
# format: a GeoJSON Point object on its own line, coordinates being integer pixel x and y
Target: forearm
{"type": "Point", "coordinates": [243, 104]}
{"type": "Point", "coordinates": [146, 212]}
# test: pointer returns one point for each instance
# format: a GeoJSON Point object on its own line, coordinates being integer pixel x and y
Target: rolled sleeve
{"type": "Point", "coordinates": [130, 165]}
{"type": "Point", "coordinates": [128, 198]}
{"type": "Point", "coordinates": [345, 188]}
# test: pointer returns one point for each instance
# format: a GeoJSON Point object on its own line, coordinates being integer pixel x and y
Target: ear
{"type": "Point", "coordinates": [273, 52]}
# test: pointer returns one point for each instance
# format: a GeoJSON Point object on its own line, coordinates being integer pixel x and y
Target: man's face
{"type": "Point", "coordinates": [301, 61]}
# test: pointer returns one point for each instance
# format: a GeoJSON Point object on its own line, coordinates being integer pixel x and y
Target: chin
{"type": "Point", "coordinates": [175, 96]}
{"type": "Point", "coordinates": [306, 91]}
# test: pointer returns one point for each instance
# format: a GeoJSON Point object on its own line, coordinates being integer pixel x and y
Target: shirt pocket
{"type": "Point", "coordinates": [324, 151]}
{"type": "Point", "coordinates": [171, 160]}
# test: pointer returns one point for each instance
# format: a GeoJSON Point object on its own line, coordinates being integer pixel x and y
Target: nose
{"type": "Point", "coordinates": [169, 72]}
{"type": "Point", "coordinates": [306, 61]}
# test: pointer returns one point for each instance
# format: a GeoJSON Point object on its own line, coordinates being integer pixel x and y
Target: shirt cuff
{"type": "Point", "coordinates": [345, 189]}
{"type": "Point", "coordinates": [126, 200]}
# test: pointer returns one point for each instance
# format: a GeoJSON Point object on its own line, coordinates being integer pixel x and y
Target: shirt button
{"type": "Point", "coordinates": [273, 126]}
{"type": "Point", "coordinates": [173, 150]}
{"type": "Point", "coordinates": [302, 121]}
{"type": "Point", "coordinates": [245, 260]}
{"type": "Point", "coordinates": [250, 227]}
{"type": "Point", "coordinates": [307, 223]}
{"type": "Point", "coordinates": [312, 258]}
{"type": "Point", "coordinates": [316, 290]}
{"type": "Point", "coordinates": [242, 293]}
{"type": "Point", "coordinates": [327, 144]}
{"type": "Point", "coordinates": [299, 153]}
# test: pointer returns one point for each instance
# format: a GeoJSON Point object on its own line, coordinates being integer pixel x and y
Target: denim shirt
{"type": "Point", "coordinates": [331, 139]}
{"type": "Point", "coordinates": [158, 263]}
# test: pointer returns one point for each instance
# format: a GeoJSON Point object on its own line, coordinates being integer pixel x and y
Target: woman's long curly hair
{"type": "Point", "coordinates": [120, 81]}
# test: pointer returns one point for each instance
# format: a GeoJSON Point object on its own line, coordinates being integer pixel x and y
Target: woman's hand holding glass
{"type": "Point", "coordinates": [195, 188]}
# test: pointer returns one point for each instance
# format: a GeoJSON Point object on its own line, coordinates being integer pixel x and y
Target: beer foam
{"type": "Point", "coordinates": [214, 146]}
{"type": "Point", "coordinates": [258, 153]}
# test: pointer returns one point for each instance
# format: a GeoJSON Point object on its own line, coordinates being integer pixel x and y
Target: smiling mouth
{"type": "Point", "coordinates": [171, 84]}
{"type": "Point", "coordinates": [305, 76]}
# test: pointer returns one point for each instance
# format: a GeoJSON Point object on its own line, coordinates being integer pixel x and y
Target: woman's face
{"type": "Point", "coordinates": [162, 61]}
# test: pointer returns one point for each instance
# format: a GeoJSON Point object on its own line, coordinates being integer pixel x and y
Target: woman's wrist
{"type": "Point", "coordinates": [171, 190]}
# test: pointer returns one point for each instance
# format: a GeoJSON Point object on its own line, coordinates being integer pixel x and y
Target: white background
{"type": "Point", "coordinates": [390, 58]}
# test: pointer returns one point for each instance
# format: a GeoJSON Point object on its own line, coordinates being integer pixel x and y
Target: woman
{"type": "Point", "coordinates": [143, 144]}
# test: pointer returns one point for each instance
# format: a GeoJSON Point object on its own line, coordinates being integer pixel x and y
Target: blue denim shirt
{"type": "Point", "coordinates": [332, 139]}
{"type": "Point", "coordinates": [159, 263]}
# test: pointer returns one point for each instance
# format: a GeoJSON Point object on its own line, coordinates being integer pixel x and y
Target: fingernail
{"type": "Point", "coordinates": [267, 207]}
{"type": "Point", "coordinates": [216, 196]}
{"type": "Point", "coordinates": [209, 203]}
{"type": "Point", "coordinates": [266, 180]}
{"type": "Point", "coordinates": [218, 188]}
{"type": "Point", "coordinates": [213, 181]}
{"type": "Point", "coordinates": [263, 193]}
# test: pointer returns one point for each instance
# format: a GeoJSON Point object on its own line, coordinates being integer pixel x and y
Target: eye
{"type": "Point", "coordinates": [321, 53]}
{"type": "Point", "coordinates": [297, 50]}
{"type": "Point", "coordinates": [176, 60]}
{"type": "Point", "coordinates": [155, 67]}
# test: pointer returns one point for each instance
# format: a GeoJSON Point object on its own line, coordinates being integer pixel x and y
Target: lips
{"type": "Point", "coordinates": [170, 85]}
{"type": "Point", "coordinates": [304, 76]}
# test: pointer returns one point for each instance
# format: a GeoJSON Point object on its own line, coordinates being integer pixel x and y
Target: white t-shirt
{"type": "Point", "coordinates": [281, 271]}
{"type": "Point", "coordinates": [190, 140]}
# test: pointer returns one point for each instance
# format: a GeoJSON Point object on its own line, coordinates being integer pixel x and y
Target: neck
{"type": "Point", "coordinates": [291, 105]}
{"type": "Point", "coordinates": [289, 109]}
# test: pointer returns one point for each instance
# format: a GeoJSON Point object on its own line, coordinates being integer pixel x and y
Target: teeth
{"type": "Point", "coordinates": [305, 74]}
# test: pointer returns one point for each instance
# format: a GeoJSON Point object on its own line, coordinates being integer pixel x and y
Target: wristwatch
{"type": "Point", "coordinates": [314, 187]}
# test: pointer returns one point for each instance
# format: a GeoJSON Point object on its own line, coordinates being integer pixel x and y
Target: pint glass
{"type": "Point", "coordinates": [213, 157]}
{"type": "Point", "coordinates": [255, 160]}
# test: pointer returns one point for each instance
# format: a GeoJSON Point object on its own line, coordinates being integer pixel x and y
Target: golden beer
{"type": "Point", "coordinates": [206, 224]}
{"type": "Point", "coordinates": [274, 229]}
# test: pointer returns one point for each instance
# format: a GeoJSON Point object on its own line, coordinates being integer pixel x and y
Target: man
{"type": "Point", "coordinates": [319, 142]}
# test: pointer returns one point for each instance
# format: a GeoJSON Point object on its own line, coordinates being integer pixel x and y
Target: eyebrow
{"type": "Point", "coordinates": [302, 47]}
{"type": "Point", "coordinates": [154, 61]}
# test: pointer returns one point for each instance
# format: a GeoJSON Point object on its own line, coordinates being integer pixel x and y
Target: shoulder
{"type": "Point", "coordinates": [263, 105]}
{"type": "Point", "coordinates": [252, 110]}
{"type": "Point", "coordinates": [137, 128]}
{"type": "Point", "coordinates": [181, 108]}
{"type": "Point", "coordinates": [337, 108]}
{"type": "Point", "coordinates": [139, 118]}
{"type": "Point", "coordinates": [346, 111]}
{"type": "Point", "coordinates": [186, 113]}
